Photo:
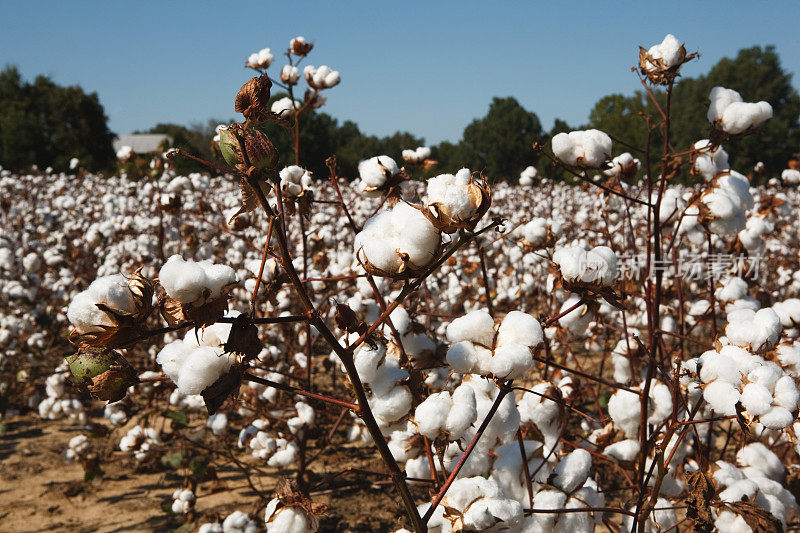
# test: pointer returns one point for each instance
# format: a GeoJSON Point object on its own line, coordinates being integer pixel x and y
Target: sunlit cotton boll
{"type": "Point", "coordinates": [374, 172]}
{"type": "Point", "coordinates": [732, 114]}
{"type": "Point", "coordinates": [112, 291]}
{"type": "Point", "coordinates": [187, 281]}
{"type": "Point", "coordinates": [261, 59]}
{"type": "Point", "coordinates": [285, 107]}
{"type": "Point", "coordinates": [395, 240]}
{"type": "Point", "coordinates": [294, 180]}
{"type": "Point", "coordinates": [586, 149]}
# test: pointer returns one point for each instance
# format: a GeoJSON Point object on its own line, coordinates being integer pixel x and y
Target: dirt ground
{"type": "Point", "coordinates": [39, 492]}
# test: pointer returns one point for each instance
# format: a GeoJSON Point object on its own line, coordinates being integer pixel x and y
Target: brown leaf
{"type": "Point", "coordinates": [701, 492]}
{"type": "Point", "coordinates": [243, 339]}
{"type": "Point", "coordinates": [253, 98]}
{"type": "Point", "coordinates": [760, 520]}
{"type": "Point", "coordinates": [228, 385]}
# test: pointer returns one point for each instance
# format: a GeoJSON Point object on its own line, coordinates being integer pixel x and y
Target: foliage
{"type": "Point", "coordinates": [42, 123]}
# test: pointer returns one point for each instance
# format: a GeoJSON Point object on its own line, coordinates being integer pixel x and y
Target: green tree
{"type": "Point", "coordinates": [756, 73]}
{"type": "Point", "coordinates": [44, 124]}
{"type": "Point", "coordinates": [499, 144]}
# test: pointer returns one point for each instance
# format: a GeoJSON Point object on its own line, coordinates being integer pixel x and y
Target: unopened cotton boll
{"type": "Point", "coordinates": [586, 149]}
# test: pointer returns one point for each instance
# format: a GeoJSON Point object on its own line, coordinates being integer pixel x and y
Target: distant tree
{"type": "Point", "coordinates": [755, 73]}
{"type": "Point", "coordinates": [44, 124]}
{"type": "Point", "coordinates": [499, 144]}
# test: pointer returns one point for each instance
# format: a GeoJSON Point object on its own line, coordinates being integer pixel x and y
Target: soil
{"type": "Point", "coordinates": [40, 492]}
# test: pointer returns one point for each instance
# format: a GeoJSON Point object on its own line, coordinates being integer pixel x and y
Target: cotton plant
{"type": "Point", "coordinates": [260, 60]}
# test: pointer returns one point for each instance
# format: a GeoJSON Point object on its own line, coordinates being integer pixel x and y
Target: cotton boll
{"type": "Point", "coordinates": [527, 176]}
{"type": "Point", "coordinates": [761, 458]}
{"type": "Point", "coordinates": [722, 397]}
{"type": "Point", "coordinates": [431, 414]}
{"type": "Point", "coordinates": [519, 328]}
{"type": "Point", "coordinates": [776, 418]}
{"type": "Point", "coordinates": [624, 450]}
{"type": "Point", "coordinates": [111, 291]}
{"type": "Point", "coordinates": [587, 149]}
{"type": "Point", "coordinates": [732, 114]}
{"type": "Point", "coordinates": [572, 470]}
{"type": "Point", "coordinates": [511, 361]}
{"type": "Point", "coordinates": [288, 519]}
{"type": "Point", "coordinates": [669, 51]}
{"type": "Point", "coordinates": [624, 410]}
{"type": "Point", "coordinates": [577, 320]}
{"type": "Point", "coordinates": [475, 326]}
{"type": "Point", "coordinates": [756, 399]}
{"type": "Point", "coordinates": [374, 171]}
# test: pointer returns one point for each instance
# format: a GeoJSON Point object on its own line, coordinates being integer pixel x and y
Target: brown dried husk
{"type": "Point", "coordinates": [252, 101]}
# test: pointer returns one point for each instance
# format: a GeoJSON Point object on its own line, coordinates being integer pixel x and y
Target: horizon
{"type": "Point", "coordinates": [155, 69]}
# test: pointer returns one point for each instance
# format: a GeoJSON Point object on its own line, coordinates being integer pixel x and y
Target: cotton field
{"type": "Point", "coordinates": [617, 352]}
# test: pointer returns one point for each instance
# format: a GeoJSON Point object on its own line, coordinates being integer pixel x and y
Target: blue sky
{"type": "Point", "coordinates": [425, 67]}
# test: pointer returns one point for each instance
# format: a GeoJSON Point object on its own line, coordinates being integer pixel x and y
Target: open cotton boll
{"type": "Point", "coordinates": [791, 176]}
{"type": "Point", "coordinates": [288, 519]}
{"type": "Point", "coordinates": [788, 311]}
{"type": "Point", "coordinates": [261, 59]}
{"type": "Point", "coordinates": [454, 195]}
{"type": "Point", "coordinates": [577, 320]}
{"type": "Point", "coordinates": [537, 231]}
{"type": "Point", "coordinates": [475, 326]}
{"type": "Point", "coordinates": [321, 78]}
{"type": "Point", "coordinates": [725, 214]}
{"type": "Point", "coordinates": [290, 74]}
{"type": "Point", "coordinates": [395, 240]}
{"type": "Point", "coordinates": [624, 450]}
{"type": "Point", "coordinates": [758, 331]}
{"type": "Point", "coordinates": [519, 328]}
{"type": "Point", "coordinates": [374, 171]}
{"type": "Point", "coordinates": [670, 51]}
{"type": "Point", "coordinates": [416, 156]}
{"type": "Point", "coordinates": [762, 459]}
{"type": "Point", "coordinates": [285, 107]}
{"type": "Point", "coordinates": [112, 291]}
{"type": "Point", "coordinates": [572, 470]}
{"type": "Point", "coordinates": [739, 187]}
{"type": "Point", "coordinates": [623, 165]}
{"type": "Point", "coordinates": [710, 163]}
{"type": "Point", "coordinates": [527, 176]}
{"type": "Point", "coordinates": [191, 282]}
{"type": "Point", "coordinates": [431, 414]}
{"type": "Point", "coordinates": [587, 149]}
{"type": "Point", "coordinates": [597, 266]}
{"type": "Point", "coordinates": [294, 180]}
{"type": "Point", "coordinates": [624, 410]}
{"type": "Point", "coordinates": [511, 361]}
{"type": "Point", "coordinates": [483, 505]}
{"type": "Point", "coordinates": [732, 114]}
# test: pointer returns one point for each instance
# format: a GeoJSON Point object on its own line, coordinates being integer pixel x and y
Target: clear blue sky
{"type": "Point", "coordinates": [425, 67]}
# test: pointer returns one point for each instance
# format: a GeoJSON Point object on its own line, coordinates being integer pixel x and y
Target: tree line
{"type": "Point", "coordinates": [44, 124]}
